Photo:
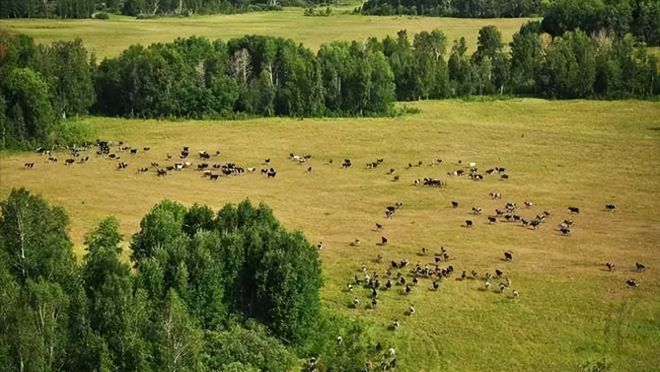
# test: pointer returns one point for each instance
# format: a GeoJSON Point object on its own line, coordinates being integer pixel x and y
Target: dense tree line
{"type": "Point", "coordinates": [39, 85]}
{"type": "Point", "coordinates": [141, 8]}
{"type": "Point", "coordinates": [454, 8]}
{"type": "Point", "coordinates": [640, 18]}
{"type": "Point", "coordinates": [256, 75]}
{"type": "Point", "coordinates": [225, 291]}
{"type": "Point", "coordinates": [268, 76]}
{"type": "Point", "coordinates": [570, 66]}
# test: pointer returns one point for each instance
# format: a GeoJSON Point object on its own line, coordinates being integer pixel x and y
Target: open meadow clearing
{"type": "Point", "coordinates": [108, 38]}
{"type": "Point", "coordinates": [571, 309]}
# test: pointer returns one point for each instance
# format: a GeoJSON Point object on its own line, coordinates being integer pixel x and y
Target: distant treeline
{"type": "Point", "coordinates": [269, 76]}
{"type": "Point", "coordinates": [206, 291]}
{"type": "Point", "coordinates": [609, 17]}
{"type": "Point", "coordinates": [141, 8]}
{"type": "Point", "coordinates": [454, 8]}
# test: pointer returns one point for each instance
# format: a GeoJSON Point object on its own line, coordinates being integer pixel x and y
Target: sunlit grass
{"type": "Point", "coordinates": [109, 37]}
{"type": "Point", "coordinates": [558, 154]}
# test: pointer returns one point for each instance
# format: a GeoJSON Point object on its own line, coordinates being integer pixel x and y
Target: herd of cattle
{"type": "Point", "coordinates": [400, 273]}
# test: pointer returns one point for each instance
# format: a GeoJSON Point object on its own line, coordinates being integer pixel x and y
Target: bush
{"type": "Point", "coordinates": [101, 15]}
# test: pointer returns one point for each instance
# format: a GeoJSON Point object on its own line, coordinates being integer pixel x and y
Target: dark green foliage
{"type": "Point", "coordinates": [38, 85]}
{"type": "Point", "coordinates": [248, 347]}
{"type": "Point", "coordinates": [615, 17]}
{"type": "Point", "coordinates": [201, 284]}
{"type": "Point", "coordinates": [243, 260]}
{"type": "Point", "coordinates": [455, 8]}
{"type": "Point", "coordinates": [140, 8]}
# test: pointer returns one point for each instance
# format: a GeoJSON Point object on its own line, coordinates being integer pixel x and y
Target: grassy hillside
{"type": "Point", "coordinates": [571, 310]}
{"type": "Point", "coordinates": [109, 38]}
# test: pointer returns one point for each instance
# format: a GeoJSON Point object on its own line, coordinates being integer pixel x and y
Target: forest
{"type": "Point", "coordinates": [139, 8]}
{"type": "Point", "coordinates": [641, 18]}
{"type": "Point", "coordinates": [225, 291]}
{"type": "Point", "coordinates": [267, 76]}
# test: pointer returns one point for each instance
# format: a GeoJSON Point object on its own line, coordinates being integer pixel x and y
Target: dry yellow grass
{"type": "Point", "coordinates": [558, 154]}
{"type": "Point", "coordinates": [109, 38]}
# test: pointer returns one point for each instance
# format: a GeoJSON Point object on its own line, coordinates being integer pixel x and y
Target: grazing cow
{"type": "Point", "coordinates": [515, 293]}
{"type": "Point", "coordinates": [408, 289]}
{"type": "Point", "coordinates": [610, 207]}
{"type": "Point", "coordinates": [383, 240]}
{"type": "Point", "coordinates": [565, 230]}
{"type": "Point", "coordinates": [396, 178]}
{"type": "Point", "coordinates": [214, 177]}
{"type": "Point", "coordinates": [476, 210]}
{"type": "Point", "coordinates": [508, 256]}
{"type": "Point", "coordinates": [495, 195]}
{"type": "Point", "coordinates": [379, 226]}
{"type": "Point", "coordinates": [468, 223]}
{"type": "Point", "coordinates": [388, 284]}
{"type": "Point", "coordinates": [498, 273]}
{"type": "Point", "coordinates": [504, 177]}
{"type": "Point", "coordinates": [492, 220]}
{"type": "Point", "coordinates": [436, 285]}
{"type": "Point", "coordinates": [356, 302]}
{"type": "Point", "coordinates": [528, 203]}
{"type": "Point", "coordinates": [122, 165]}
{"type": "Point", "coordinates": [145, 149]}
{"type": "Point", "coordinates": [133, 151]}
{"type": "Point", "coordinates": [271, 173]}
{"type": "Point", "coordinates": [534, 223]}
{"type": "Point", "coordinates": [346, 164]}
{"type": "Point", "coordinates": [395, 325]}
{"type": "Point", "coordinates": [574, 210]}
{"type": "Point", "coordinates": [355, 243]}
{"type": "Point", "coordinates": [204, 155]}
{"type": "Point", "coordinates": [487, 285]}
{"type": "Point", "coordinates": [411, 310]}
{"type": "Point", "coordinates": [632, 283]}
{"type": "Point", "coordinates": [29, 165]}
{"type": "Point", "coordinates": [639, 266]}
{"type": "Point", "coordinates": [502, 287]}
{"type": "Point", "coordinates": [610, 266]}
{"type": "Point", "coordinates": [69, 161]}
{"type": "Point", "coordinates": [161, 172]}
{"type": "Point", "coordinates": [454, 204]}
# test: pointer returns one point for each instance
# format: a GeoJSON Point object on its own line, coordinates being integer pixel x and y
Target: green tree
{"type": "Point", "coordinates": [570, 66]}
{"type": "Point", "coordinates": [28, 113]}
{"type": "Point", "coordinates": [179, 342]}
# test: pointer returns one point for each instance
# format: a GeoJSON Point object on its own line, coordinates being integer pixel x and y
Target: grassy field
{"type": "Point", "coordinates": [109, 38]}
{"type": "Point", "coordinates": [558, 154]}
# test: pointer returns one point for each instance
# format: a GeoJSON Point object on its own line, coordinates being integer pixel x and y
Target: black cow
{"type": "Point", "coordinates": [574, 210]}
{"type": "Point", "coordinates": [468, 223]}
{"type": "Point", "coordinates": [454, 204]}
{"type": "Point", "coordinates": [508, 256]}
{"type": "Point", "coordinates": [610, 207]}
{"type": "Point", "coordinates": [639, 266]}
